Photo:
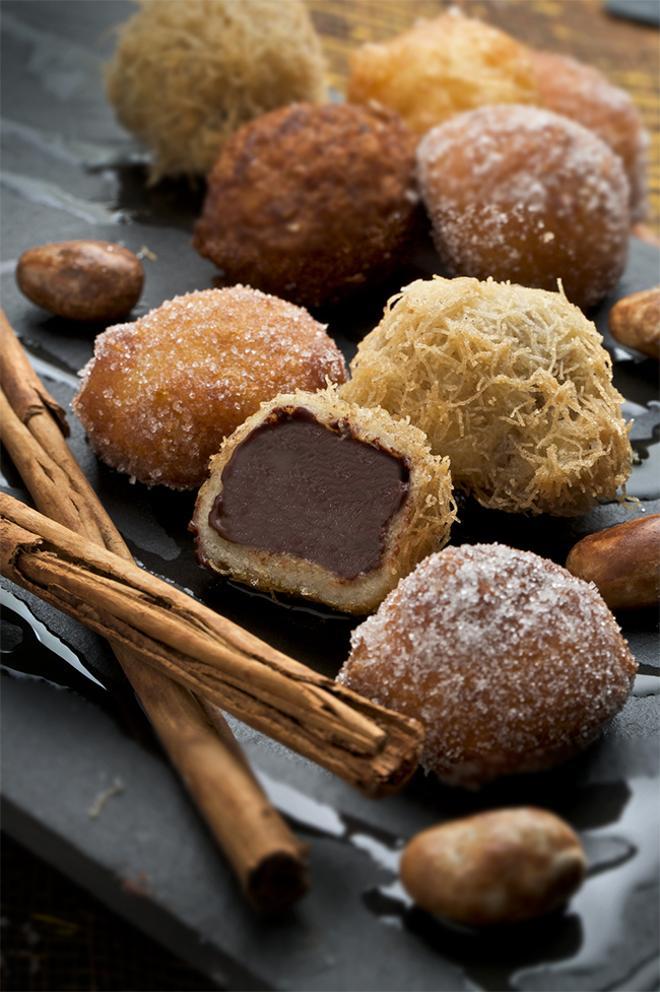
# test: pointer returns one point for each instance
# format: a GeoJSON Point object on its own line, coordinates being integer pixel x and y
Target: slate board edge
{"type": "Point", "coordinates": [87, 864]}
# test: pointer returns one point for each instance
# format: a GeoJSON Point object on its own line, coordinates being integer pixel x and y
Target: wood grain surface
{"type": "Point", "coordinates": [627, 52]}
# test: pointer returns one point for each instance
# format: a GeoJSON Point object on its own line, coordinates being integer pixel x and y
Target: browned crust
{"type": "Point", "coordinates": [309, 202]}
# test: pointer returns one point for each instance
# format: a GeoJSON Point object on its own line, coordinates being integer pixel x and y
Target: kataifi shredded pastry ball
{"type": "Point", "coordinates": [187, 73]}
{"type": "Point", "coordinates": [513, 384]}
{"type": "Point", "coordinates": [160, 394]}
{"type": "Point", "coordinates": [510, 662]}
{"type": "Point", "coordinates": [442, 67]}
{"type": "Point", "coordinates": [581, 92]}
{"type": "Point", "coordinates": [525, 194]}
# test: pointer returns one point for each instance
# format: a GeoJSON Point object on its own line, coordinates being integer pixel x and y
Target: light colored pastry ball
{"type": "Point", "coordinates": [512, 383]}
{"type": "Point", "coordinates": [160, 394]}
{"type": "Point", "coordinates": [511, 663]}
{"type": "Point", "coordinates": [524, 194]}
{"type": "Point", "coordinates": [497, 867]}
{"type": "Point", "coordinates": [442, 67]}
{"type": "Point", "coordinates": [187, 73]}
{"type": "Point", "coordinates": [581, 92]}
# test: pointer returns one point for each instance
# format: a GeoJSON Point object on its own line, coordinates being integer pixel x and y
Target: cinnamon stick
{"type": "Point", "coordinates": [269, 862]}
{"type": "Point", "coordinates": [375, 749]}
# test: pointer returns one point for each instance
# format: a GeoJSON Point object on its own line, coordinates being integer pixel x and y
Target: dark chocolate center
{"type": "Point", "coordinates": [298, 487]}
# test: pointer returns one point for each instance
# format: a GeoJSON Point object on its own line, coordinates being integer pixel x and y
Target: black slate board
{"type": "Point", "coordinates": [645, 11]}
{"type": "Point", "coordinates": [68, 171]}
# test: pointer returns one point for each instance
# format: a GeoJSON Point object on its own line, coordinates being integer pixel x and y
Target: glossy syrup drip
{"type": "Point", "coordinates": [31, 649]}
{"type": "Point", "coordinates": [622, 856]}
{"type": "Point", "coordinates": [630, 845]}
{"type": "Point", "coordinates": [644, 481]}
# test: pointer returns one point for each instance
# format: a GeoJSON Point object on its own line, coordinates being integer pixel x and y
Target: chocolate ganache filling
{"type": "Point", "coordinates": [299, 487]}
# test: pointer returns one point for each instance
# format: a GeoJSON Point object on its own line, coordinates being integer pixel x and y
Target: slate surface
{"type": "Point", "coordinates": [68, 171]}
{"type": "Point", "coordinates": [646, 11]}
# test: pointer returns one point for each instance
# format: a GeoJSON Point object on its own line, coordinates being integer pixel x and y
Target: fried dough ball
{"type": "Point", "coordinates": [187, 73]}
{"type": "Point", "coordinates": [311, 201]}
{"type": "Point", "coordinates": [442, 67]}
{"type": "Point", "coordinates": [510, 662]}
{"type": "Point", "coordinates": [524, 194]}
{"type": "Point", "coordinates": [160, 394]}
{"type": "Point", "coordinates": [316, 497]}
{"type": "Point", "coordinates": [581, 92]}
{"type": "Point", "coordinates": [513, 384]}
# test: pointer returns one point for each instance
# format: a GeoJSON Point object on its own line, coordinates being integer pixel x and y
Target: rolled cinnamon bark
{"type": "Point", "coordinates": [375, 749]}
{"type": "Point", "coordinates": [268, 860]}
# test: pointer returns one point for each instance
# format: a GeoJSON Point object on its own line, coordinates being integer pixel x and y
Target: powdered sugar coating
{"type": "Point", "coordinates": [520, 193]}
{"type": "Point", "coordinates": [511, 662]}
{"type": "Point", "coordinates": [568, 86]}
{"type": "Point", "coordinates": [161, 393]}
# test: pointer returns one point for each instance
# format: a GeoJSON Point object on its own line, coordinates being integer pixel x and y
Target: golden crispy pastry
{"type": "Point", "coordinates": [310, 202]}
{"type": "Point", "coordinates": [316, 497]}
{"type": "Point", "coordinates": [160, 394]}
{"type": "Point", "coordinates": [511, 663]}
{"type": "Point", "coordinates": [513, 384]}
{"type": "Point", "coordinates": [187, 73]}
{"type": "Point", "coordinates": [442, 67]}
{"type": "Point", "coordinates": [581, 92]}
{"type": "Point", "coordinates": [524, 194]}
